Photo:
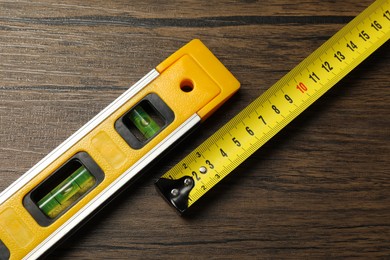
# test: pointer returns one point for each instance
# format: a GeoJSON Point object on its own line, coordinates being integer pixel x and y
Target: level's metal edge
{"type": "Point", "coordinates": [73, 139]}
{"type": "Point", "coordinates": [96, 202]}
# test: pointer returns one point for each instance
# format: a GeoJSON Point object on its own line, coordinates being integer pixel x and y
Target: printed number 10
{"type": "Point", "coordinates": [301, 87]}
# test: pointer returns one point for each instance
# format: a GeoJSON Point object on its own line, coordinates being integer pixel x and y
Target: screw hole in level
{"type": "Point", "coordinates": [186, 85]}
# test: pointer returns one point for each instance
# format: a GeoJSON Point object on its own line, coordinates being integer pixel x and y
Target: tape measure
{"type": "Point", "coordinates": [220, 154]}
{"type": "Point", "coordinates": [78, 177]}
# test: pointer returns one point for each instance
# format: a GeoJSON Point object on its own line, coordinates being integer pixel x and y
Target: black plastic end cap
{"type": "Point", "coordinates": [176, 192]}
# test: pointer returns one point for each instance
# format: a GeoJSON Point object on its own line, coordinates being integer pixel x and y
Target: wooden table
{"type": "Point", "coordinates": [319, 189]}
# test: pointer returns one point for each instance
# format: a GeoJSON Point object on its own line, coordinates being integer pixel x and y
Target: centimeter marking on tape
{"type": "Point", "coordinates": [220, 154]}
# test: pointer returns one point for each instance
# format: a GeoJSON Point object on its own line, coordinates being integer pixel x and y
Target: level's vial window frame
{"type": "Point", "coordinates": [4, 251]}
{"type": "Point", "coordinates": [144, 121]}
{"type": "Point", "coordinates": [60, 191]}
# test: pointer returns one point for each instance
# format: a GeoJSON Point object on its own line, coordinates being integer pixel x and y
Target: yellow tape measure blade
{"type": "Point", "coordinates": [232, 144]}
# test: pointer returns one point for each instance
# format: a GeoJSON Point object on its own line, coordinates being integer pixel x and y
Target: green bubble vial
{"type": "Point", "coordinates": [67, 192]}
{"type": "Point", "coordinates": [144, 123]}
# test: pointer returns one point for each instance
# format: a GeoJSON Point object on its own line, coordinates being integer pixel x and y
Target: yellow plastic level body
{"type": "Point", "coordinates": [190, 81]}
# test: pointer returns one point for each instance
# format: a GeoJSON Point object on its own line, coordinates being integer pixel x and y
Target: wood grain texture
{"type": "Point", "coordinates": [319, 189]}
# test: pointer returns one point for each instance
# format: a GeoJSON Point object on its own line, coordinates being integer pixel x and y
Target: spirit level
{"type": "Point", "coordinates": [220, 154]}
{"type": "Point", "coordinates": [73, 181]}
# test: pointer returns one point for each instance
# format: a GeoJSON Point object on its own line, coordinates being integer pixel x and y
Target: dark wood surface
{"type": "Point", "coordinates": [319, 189]}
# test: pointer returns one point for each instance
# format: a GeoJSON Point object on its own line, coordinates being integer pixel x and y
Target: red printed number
{"type": "Point", "coordinates": [301, 87]}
